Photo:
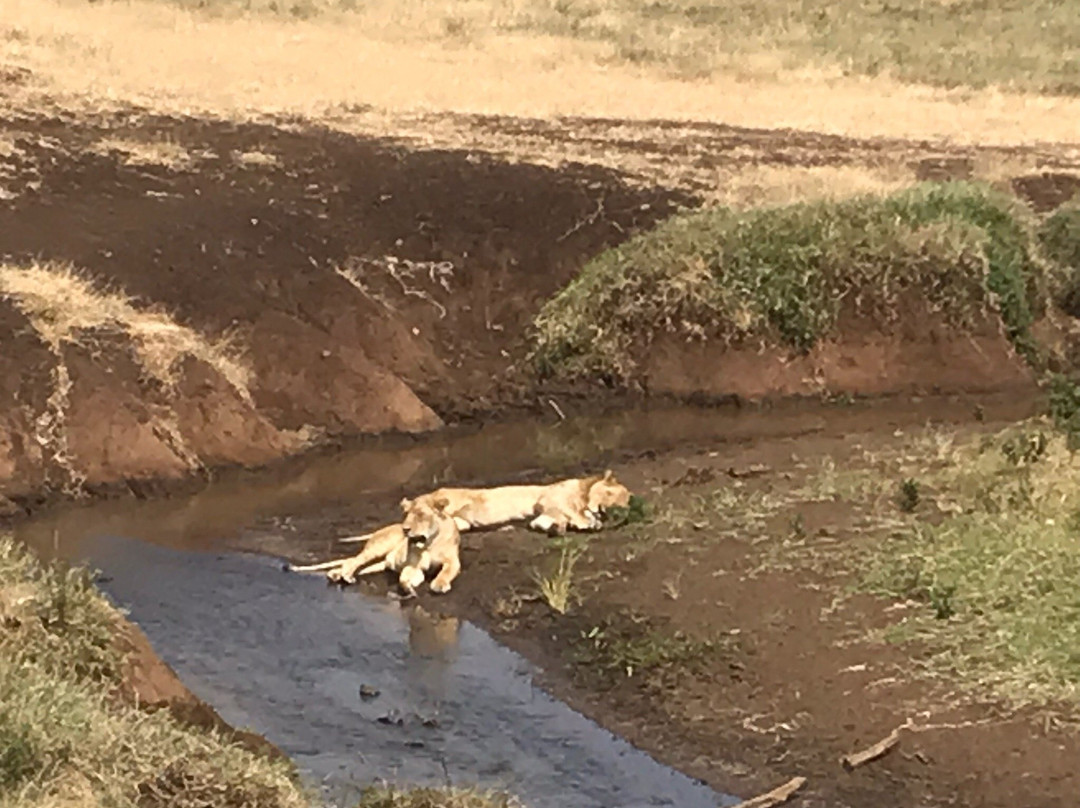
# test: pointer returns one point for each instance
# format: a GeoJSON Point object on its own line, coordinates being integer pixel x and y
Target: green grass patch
{"type": "Point", "coordinates": [1026, 46]}
{"type": "Point", "coordinates": [627, 648]}
{"type": "Point", "coordinates": [997, 583]}
{"type": "Point", "coordinates": [786, 275]}
{"type": "Point", "coordinates": [64, 736]}
{"type": "Point", "coordinates": [635, 513]}
{"type": "Point", "coordinates": [1060, 238]}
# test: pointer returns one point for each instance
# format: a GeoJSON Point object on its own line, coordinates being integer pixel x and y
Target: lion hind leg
{"type": "Point", "coordinates": [544, 522]}
{"type": "Point", "coordinates": [350, 576]}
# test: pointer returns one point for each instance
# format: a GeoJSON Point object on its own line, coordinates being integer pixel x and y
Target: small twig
{"type": "Point", "coordinates": [778, 796]}
{"type": "Point", "coordinates": [590, 219]}
{"type": "Point", "coordinates": [558, 409]}
{"type": "Point", "coordinates": [874, 751]}
{"type": "Point", "coordinates": [391, 268]}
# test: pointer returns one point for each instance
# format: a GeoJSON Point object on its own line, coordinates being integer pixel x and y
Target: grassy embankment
{"type": "Point", "coordinates": [976, 537]}
{"type": "Point", "coordinates": [785, 275]}
{"type": "Point", "coordinates": [67, 739]}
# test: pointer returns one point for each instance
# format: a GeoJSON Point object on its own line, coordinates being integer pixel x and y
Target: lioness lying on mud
{"type": "Point", "coordinates": [427, 539]}
{"type": "Point", "coordinates": [575, 503]}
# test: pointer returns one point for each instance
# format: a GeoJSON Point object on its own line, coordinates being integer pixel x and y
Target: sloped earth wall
{"type": "Point", "coordinates": [373, 288]}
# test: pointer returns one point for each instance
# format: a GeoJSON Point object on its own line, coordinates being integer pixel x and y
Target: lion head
{"type": "Point", "coordinates": [423, 517]}
{"type": "Point", "coordinates": [607, 492]}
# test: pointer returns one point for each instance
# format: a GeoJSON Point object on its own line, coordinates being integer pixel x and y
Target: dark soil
{"type": "Point", "coordinates": [230, 248]}
{"type": "Point", "coordinates": [251, 249]}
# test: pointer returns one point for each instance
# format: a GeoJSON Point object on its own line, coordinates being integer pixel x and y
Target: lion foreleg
{"type": "Point", "coordinates": [451, 568]}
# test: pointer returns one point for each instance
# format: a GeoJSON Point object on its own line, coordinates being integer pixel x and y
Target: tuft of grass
{"type": "Point", "coordinates": [164, 153]}
{"type": "Point", "coordinates": [557, 588]}
{"type": "Point", "coordinates": [908, 497]}
{"type": "Point", "coordinates": [65, 307]}
{"type": "Point", "coordinates": [1060, 239]}
{"type": "Point", "coordinates": [636, 513]}
{"type": "Point", "coordinates": [786, 275]}
{"type": "Point", "coordinates": [1065, 408]}
{"type": "Point", "coordinates": [255, 158]}
{"type": "Point", "coordinates": [629, 648]}
{"type": "Point", "coordinates": [997, 578]}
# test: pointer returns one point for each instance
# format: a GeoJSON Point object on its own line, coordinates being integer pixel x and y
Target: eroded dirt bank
{"type": "Point", "coordinates": [242, 292]}
{"type": "Point", "coordinates": [370, 289]}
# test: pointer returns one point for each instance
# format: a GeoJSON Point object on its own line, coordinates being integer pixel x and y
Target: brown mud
{"type": "Point", "coordinates": [374, 286]}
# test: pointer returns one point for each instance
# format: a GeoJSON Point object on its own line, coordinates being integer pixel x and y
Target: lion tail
{"type": "Point", "coordinates": [356, 539]}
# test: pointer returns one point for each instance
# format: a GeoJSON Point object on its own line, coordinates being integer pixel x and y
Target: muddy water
{"type": "Point", "coordinates": [288, 656]}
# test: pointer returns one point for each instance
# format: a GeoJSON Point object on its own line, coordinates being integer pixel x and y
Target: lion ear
{"type": "Point", "coordinates": [441, 504]}
{"type": "Point", "coordinates": [609, 475]}
{"type": "Point", "coordinates": [406, 503]}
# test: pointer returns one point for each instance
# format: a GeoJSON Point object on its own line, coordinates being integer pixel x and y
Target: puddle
{"type": "Point", "coordinates": [286, 655]}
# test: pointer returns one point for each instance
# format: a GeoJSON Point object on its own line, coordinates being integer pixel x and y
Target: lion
{"type": "Point", "coordinates": [431, 540]}
{"type": "Point", "coordinates": [576, 503]}
{"type": "Point", "coordinates": [429, 525]}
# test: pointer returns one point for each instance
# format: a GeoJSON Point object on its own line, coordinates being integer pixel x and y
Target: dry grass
{"type": "Point", "coordinates": [255, 159]}
{"type": "Point", "coordinates": [477, 57]}
{"type": "Point", "coordinates": [764, 185]}
{"type": "Point", "coordinates": [67, 308]}
{"type": "Point", "coordinates": [557, 588]}
{"type": "Point", "coordinates": [164, 153]}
